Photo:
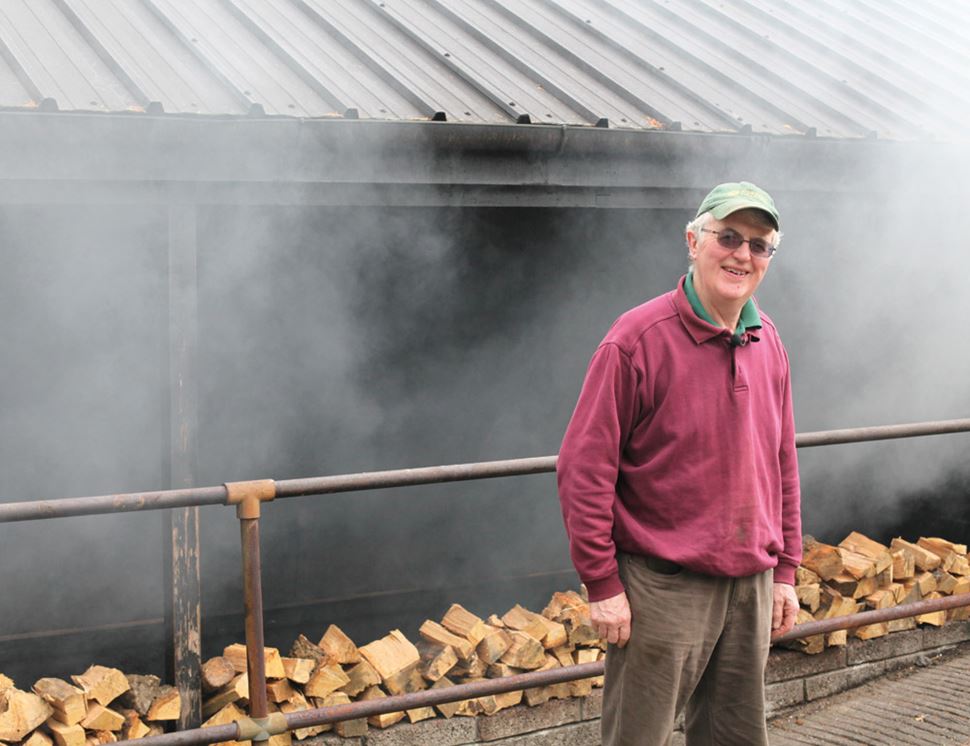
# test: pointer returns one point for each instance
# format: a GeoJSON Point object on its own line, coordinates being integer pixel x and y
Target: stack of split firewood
{"type": "Point", "coordinates": [461, 648]}
{"type": "Point", "coordinates": [861, 574]}
{"type": "Point", "coordinates": [102, 706]}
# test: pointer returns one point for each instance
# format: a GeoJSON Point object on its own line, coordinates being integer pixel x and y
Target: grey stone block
{"type": "Point", "coordinates": [834, 682]}
{"type": "Point", "coordinates": [792, 664]}
{"type": "Point", "coordinates": [892, 645]}
{"type": "Point", "coordinates": [949, 634]}
{"type": "Point", "coordinates": [784, 694]}
{"type": "Point", "coordinates": [592, 705]}
{"type": "Point", "coordinates": [576, 734]}
{"type": "Point", "coordinates": [524, 719]}
{"type": "Point", "coordinates": [440, 732]}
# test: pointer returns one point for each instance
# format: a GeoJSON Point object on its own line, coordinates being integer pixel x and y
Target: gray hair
{"type": "Point", "coordinates": [696, 225]}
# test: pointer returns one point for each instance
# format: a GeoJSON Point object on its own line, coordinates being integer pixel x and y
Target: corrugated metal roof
{"type": "Point", "coordinates": [838, 68]}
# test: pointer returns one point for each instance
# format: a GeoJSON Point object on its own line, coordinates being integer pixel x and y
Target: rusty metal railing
{"type": "Point", "coordinates": [248, 497]}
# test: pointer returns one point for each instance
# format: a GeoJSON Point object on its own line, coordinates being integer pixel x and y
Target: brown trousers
{"type": "Point", "coordinates": [698, 645]}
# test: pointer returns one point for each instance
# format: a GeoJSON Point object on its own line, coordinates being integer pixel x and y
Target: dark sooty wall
{"type": "Point", "coordinates": [348, 339]}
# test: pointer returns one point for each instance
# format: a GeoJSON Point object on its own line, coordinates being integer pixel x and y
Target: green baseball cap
{"type": "Point", "coordinates": [732, 196]}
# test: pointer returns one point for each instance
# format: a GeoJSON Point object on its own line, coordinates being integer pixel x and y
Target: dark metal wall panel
{"type": "Point", "coordinates": [835, 68]}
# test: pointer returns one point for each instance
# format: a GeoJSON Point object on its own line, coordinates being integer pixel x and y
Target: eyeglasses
{"type": "Point", "coordinates": [732, 241]}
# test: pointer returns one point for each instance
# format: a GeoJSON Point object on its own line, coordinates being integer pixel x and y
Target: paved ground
{"type": "Point", "coordinates": [923, 706]}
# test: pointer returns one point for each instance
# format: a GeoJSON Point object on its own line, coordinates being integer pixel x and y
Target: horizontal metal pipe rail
{"type": "Point", "coordinates": [429, 697]}
{"type": "Point", "coordinates": [201, 496]}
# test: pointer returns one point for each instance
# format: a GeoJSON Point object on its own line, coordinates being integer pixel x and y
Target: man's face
{"type": "Point", "coordinates": [722, 276]}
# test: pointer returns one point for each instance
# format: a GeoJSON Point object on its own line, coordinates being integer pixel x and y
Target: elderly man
{"type": "Point", "coordinates": [679, 488]}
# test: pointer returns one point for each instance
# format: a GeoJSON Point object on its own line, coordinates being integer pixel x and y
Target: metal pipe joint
{"type": "Point", "coordinates": [248, 496]}
{"type": "Point", "coordinates": [260, 729]}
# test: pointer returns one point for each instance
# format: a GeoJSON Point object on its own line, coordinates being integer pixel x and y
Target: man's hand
{"type": "Point", "coordinates": [611, 619]}
{"type": "Point", "coordinates": [784, 609]}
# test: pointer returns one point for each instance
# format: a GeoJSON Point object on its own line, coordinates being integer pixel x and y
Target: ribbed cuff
{"type": "Point", "coordinates": [604, 588]}
{"type": "Point", "coordinates": [785, 573]}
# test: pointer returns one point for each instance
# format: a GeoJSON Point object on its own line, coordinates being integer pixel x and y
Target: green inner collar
{"type": "Point", "coordinates": [749, 319]}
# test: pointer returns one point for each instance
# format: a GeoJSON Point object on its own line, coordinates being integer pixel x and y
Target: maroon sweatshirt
{"type": "Point", "coordinates": [682, 446]}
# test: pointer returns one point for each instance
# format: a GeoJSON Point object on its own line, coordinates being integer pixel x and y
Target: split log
{"type": "Point", "coordinates": [133, 727]}
{"type": "Point", "coordinates": [881, 599]}
{"type": "Point", "coordinates": [38, 738]}
{"type": "Point", "coordinates": [326, 679]}
{"type": "Point", "coordinates": [359, 678]}
{"type": "Point", "coordinates": [66, 735]}
{"type": "Point", "coordinates": [298, 704]}
{"type": "Point", "coordinates": [808, 595]}
{"type": "Point", "coordinates": [437, 634]}
{"type": "Point", "coordinates": [857, 565]}
{"type": "Point", "coordinates": [447, 709]}
{"type": "Point", "coordinates": [280, 691]}
{"type": "Point", "coordinates": [20, 713]}
{"type": "Point", "coordinates": [459, 621]}
{"type": "Point", "coordinates": [216, 673]}
{"type": "Point", "coordinates": [555, 634]}
{"type": "Point", "coordinates": [500, 670]}
{"type": "Point", "coordinates": [386, 719]}
{"type": "Point", "coordinates": [822, 559]}
{"type": "Point", "coordinates": [562, 600]}
{"type": "Point", "coordinates": [5, 683]}
{"type": "Point", "coordinates": [436, 661]}
{"type": "Point", "coordinates": [861, 544]}
{"type": "Point", "coordinates": [871, 631]}
{"type": "Point", "coordinates": [142, 691]}
{"type": "Point", "coordinates": [473, 668]}
{"type": "Point", "coordinates": [304, 648]}
{"type": "Point", "coordinates": [901, 625]}
{"type": "Point", "coordinates": [810, 645]}
{"type": "Point", "coordinates": [345, 728]}
{"type": "Point", "coordinates": [228, 714]}
{"type": "Point", "coordinates": [494, 620]}
{"type": "Point", "coordinates": [392, 656]}
{"type": "Point", "coordinates": [102, 684]}
{"type": "Point", "coordinates": [804, 576]}
{"type": "Point", "coordinates": [100, 717]}
{"type": "Point", "coordinates": [406, 682]}
{"type": "Point", "coordinates": [945, 583]}
{"type": "Point", "coordinates": [68, 701]}
{"type": "Point", "coordinates": [523, 620]}
{"type": "Point", "coordinates": [298, 670]}
{"type": "Point", "coordinates": [494, 644]}
{"type": "Point", "coordinates": [272, 660]}
{"type": "Point", "coordinates": [235, 692]}
{"type": "Point", "coordinates": [926, 583]}
{"type": "Point", "coordinates": [419, 713]}
{"type": "Point", "coordinates": [934, 618]}
{"type": "Point", "coordinates": [924, 559]}
{"type": "Point", "coordinates": [339, 647]}
{"type": "Point", "coordinates": [904, 563]}
{"type": "Point", "coordinates": [524, 652]}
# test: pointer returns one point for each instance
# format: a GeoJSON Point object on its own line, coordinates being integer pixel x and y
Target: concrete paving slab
{"type": "Point", "coordinates": [925, 705]}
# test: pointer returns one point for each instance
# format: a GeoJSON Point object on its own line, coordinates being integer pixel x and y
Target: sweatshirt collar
{"type": "Point", "coordinates": [699, 322]}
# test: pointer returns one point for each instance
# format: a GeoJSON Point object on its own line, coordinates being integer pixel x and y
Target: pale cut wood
{"type": "Point", "coordinates": [808, 596]}
{"type": "Point", "coordinates": [66, 735]}
{"type": "Point", "coordinates": [405, 682]}
{"type": "Point", "coordinates": [298, 704]}
{"type": "Point", "coordinates": [500, 670]}
{"type": "Point", "coordinates": [871, 631]}
{"type": "Point", "coordinates": [326, 678]}
{"type": "Point", "coordinates": [435, 633]}
{"type": "Point", "coordinates": [447, 709]}
{"type": "Point", "coordinates": [167, 705]}
{"type": "Point", "coordinates": [133, 727]}
{"type": "Point", "coordinates": [804, 576]}
{"type": "Point", "coordinates": [21, 713]}
{"type": "Point", "coordinates": [810, 645]}
{"type": "Point", "coordinates": [493, 645]}
{"type": "Point", "coordinates": [945, 583]}
{"type": "Point", "coordinates": [458, 620]}
{"type": "Point", "coordinates": [38, 738]}
{"type": "Point", "coordinates": [236, 691]}
{"type": "Point", "coordinates": [339, 646]}
{"type": "Point", "coordinates": [100, 717]}
{"type": "Point", "coordinates": [5, 683]}
{"type": "Point", "coordinates": [69, 703]}
{"type": "Point", "coordinates": [904, 563]}
{"type": "Point", "coordinates": [391, 654]}
{"type": "Point", "coordinates": [280, 691]}
{"type": "Point", "coordinates": [524, 652]}
{"type": "Point", "coordinates": [228, 714]}
{"type": "Point", "coordinates": [359, 678]}
{"type": "Point", "coordinates": [555, 635]}
{"type": "Point", "coordinates": [861, 544]}
{"type": "Point", "coordinates": [345, 728]}
{"type": "Point", "coordinates": [436, 661]}
{"type": "Point", "coordinates": [216, 673]}
{"type": "Point", "coordinates": [901, 625]}
{"type": "Point", "coordinates": [298, 670]}
{"type": "Point", "coordinates": [924, 559]}
{"type": "Point", "coordinates": [899, 592]}
{"type": "Point", "coordinates": [857, 565]}
{"type": "Point", "coordinates": [962, 586]}
{"type": "Point", "coordinates": [885, 578]}
{"type": "Point", "coordinates": [508, 699]}
{"type": "Point", "coordinates": [838, 638]}
{"type": "Point", "coordinates": [940, 546]}
{"type": "Point", "coordinates": [272, 660]}
{"type": "Point", "coordinates": [564, 656]}
{"type": "Point", "coordinates": [844, 583]}
{"type": "Point", "coordinates": [102, 684]}
{"type": "Point", "coordinates": [881, 599]}
{"type": "Point", "coordinates": [494, 620]}
{"type": "Point", "coordinates": [934, 618]}
{"type": "Point", "coordinates": [420, 713]}
{"type": "Point", "coordinates": [560, 601]}
{"type": "Point", "coordinates": [926, 583]}
{"type": "Point", "coordinates": [386, 719]}
{"type": "Point", "coordinates": [523, 620]}
{"type": "Point", "coordinates": [822, 559]}
{"type": "Point", "coordinates": [473, 668]}
{"type": "Point", "coordinates": [587, 655]}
